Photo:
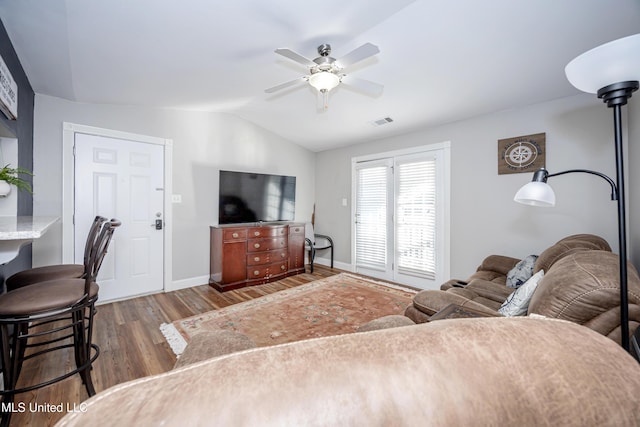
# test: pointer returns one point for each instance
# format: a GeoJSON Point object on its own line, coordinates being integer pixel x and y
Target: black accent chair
{"type": "Point", "coordinates": [316, 242]}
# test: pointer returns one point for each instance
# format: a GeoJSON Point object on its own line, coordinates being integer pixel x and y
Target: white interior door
{"type": "Point", "coordinates": [122, 179]}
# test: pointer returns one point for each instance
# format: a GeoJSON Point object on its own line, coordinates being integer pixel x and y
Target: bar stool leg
{"type": "Point", "coordinates": [9, 342]}
{"type": "Point", "coordinates": [83, 346]}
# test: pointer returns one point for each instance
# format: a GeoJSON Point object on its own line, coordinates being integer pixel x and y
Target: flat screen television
{"type": "Point", "coordinates": [255, 197]}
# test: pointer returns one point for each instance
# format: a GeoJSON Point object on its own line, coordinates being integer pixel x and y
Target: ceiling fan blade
{"type": "Point", "coordinates": [361, 85]}
{"type": "Point", "coordinates": [286, 85]}
{"type": "Point", "coordinates": [357, 55]}
{"type": "Point", "coordinates": [288, 53]}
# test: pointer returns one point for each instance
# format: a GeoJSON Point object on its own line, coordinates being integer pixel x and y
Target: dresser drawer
{"type": "Point", "coordinates": [262, 258]}
{"type": "Point", "coordinates": [259, 245]}
{"type": "Point", "coordinates": [258, 232]}
{"type": "Point", "coordinates": [296, 229]}
{"type": "Point", "coordinates": [234, 234]}
{"type": "Point", "coordinates": [266, 271]}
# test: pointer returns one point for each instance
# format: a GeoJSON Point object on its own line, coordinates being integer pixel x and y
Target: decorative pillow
{"type": "Point", "coordinates": [517, 303]}
{"type": "Point", "coordinates": [522, 271]}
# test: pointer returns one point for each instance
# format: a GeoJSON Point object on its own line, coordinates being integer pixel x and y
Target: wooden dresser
{"type": "Point", "coordinates": [247, 255]}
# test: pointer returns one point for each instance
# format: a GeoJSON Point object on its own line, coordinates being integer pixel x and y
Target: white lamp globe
{"type": "Point", "coordinates": [536, 194]}
{"type": "Point", "coordinates": [613, 62]}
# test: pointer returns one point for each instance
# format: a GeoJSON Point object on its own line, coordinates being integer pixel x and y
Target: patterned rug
{"type": "Point", "coordinates": [331, 306]}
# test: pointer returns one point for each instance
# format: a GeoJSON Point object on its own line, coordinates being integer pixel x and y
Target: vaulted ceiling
{"type": "Point", "coordinates": [440, 60]}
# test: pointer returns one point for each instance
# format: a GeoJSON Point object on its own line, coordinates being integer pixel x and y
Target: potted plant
{"type": "Point", "coordinates": [10, 176]}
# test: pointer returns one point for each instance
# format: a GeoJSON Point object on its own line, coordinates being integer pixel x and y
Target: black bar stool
{"type": "Point", "coordinates": [59, 271]}
{"type": "Point", "coordinates": [45, 310]}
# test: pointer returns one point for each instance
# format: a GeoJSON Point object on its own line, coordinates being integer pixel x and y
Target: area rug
{"type": "Point", "coordinates": [331, 306]}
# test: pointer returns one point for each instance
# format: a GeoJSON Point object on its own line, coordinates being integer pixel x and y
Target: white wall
{"type": "Point", "coordinates": [202, 144]}
{"type": "Point", "coordinates": [484, 218]}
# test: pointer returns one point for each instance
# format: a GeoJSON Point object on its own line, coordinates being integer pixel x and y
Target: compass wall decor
{"type": "Point", "coordinates": [521, 154]}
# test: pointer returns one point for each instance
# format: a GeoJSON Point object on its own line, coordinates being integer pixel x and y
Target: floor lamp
{"type": "Point", "coordinates": [611, 71]}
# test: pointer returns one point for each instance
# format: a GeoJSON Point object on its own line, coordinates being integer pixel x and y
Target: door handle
{"type": "Point", "coordinates": [157, 224]}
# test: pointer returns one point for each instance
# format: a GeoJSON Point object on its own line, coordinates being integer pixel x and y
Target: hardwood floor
{"type": "Point", "coordinates": [131, 344]}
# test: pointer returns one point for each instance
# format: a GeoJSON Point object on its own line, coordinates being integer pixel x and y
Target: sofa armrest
{"type": "Point", "coordinates": [498, 263]}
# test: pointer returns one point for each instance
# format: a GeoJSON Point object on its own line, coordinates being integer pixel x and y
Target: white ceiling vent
{"type": "Point", "coordinates": [382, 121]}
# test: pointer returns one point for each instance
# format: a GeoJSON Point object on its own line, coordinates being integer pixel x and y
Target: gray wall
{"type": "Point", "coordinates": [22, 129]}
{"type": "Point", "coordinates": [202, 144]}
{"type": "Point", "coordinates": [484, 218]}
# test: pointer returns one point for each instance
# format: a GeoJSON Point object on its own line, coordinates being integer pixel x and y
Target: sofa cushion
{"type": "Point", "coordinates": [490, 290]}
{"type": "Point", "coordinates": [517, 303]}
{"type": "Point", "coordinates": [523, 270]}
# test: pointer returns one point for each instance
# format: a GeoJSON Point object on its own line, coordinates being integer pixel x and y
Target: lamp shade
{"type": "Point", "coordinates": [536, 194]}
{"type": "Point", "coordinates": [324, 81]}
{"type": "Point", "coordinates": [613, 62]}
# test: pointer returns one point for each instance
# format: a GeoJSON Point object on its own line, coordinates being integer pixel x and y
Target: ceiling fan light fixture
{"type": "Point", "coordinates": [324, 81]}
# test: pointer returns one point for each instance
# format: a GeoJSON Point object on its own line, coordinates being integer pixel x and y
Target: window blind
{"type": "Point", "coordinates": [371, 216]}
{"type": "Point", "coordinates": [416, 218]}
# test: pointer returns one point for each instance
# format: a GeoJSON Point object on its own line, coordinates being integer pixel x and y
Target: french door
{"type": "Point", "coordinates": [400, 205]}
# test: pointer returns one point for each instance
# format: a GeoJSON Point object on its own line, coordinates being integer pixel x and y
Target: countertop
{"type": "Point", "coordinates": [24, 227]}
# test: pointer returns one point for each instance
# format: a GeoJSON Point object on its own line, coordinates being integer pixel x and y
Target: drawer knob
{"type": "Point", "coordinates": [256, 272]}
{"type": "Point", "coordinates": [234, 235]}
{"type": "Point", "coordinates": [256, 233]}
{"type": "Point", "coordinates": [256, 245]}
{"type": "Point", "coordinates": [256, 259]}
{"type": "Point", "coordinates": [282, 243]}
{"type": "Point", "coordinates": [282, 267]}
{"type": "Point", "coordinates": [282, 255]}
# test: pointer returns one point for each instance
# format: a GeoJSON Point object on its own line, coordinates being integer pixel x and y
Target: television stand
{"type": "Point", "coordinates": [253, 254]}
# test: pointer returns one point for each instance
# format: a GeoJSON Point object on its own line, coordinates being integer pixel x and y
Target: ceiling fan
{"type": "Point", "coordinates": [325, 72]}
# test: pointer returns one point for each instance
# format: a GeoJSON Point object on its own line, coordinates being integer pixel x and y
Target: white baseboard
{"type": "Point", "coordinates": [187, 283]}
{"type": "Point", "coordinates": [337, 264]}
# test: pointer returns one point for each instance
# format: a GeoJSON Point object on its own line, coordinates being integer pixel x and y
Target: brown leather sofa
{"type": "Point", "coordinates": [464, 372]}
{"type": "Point", "coordinates": [580, 284]}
